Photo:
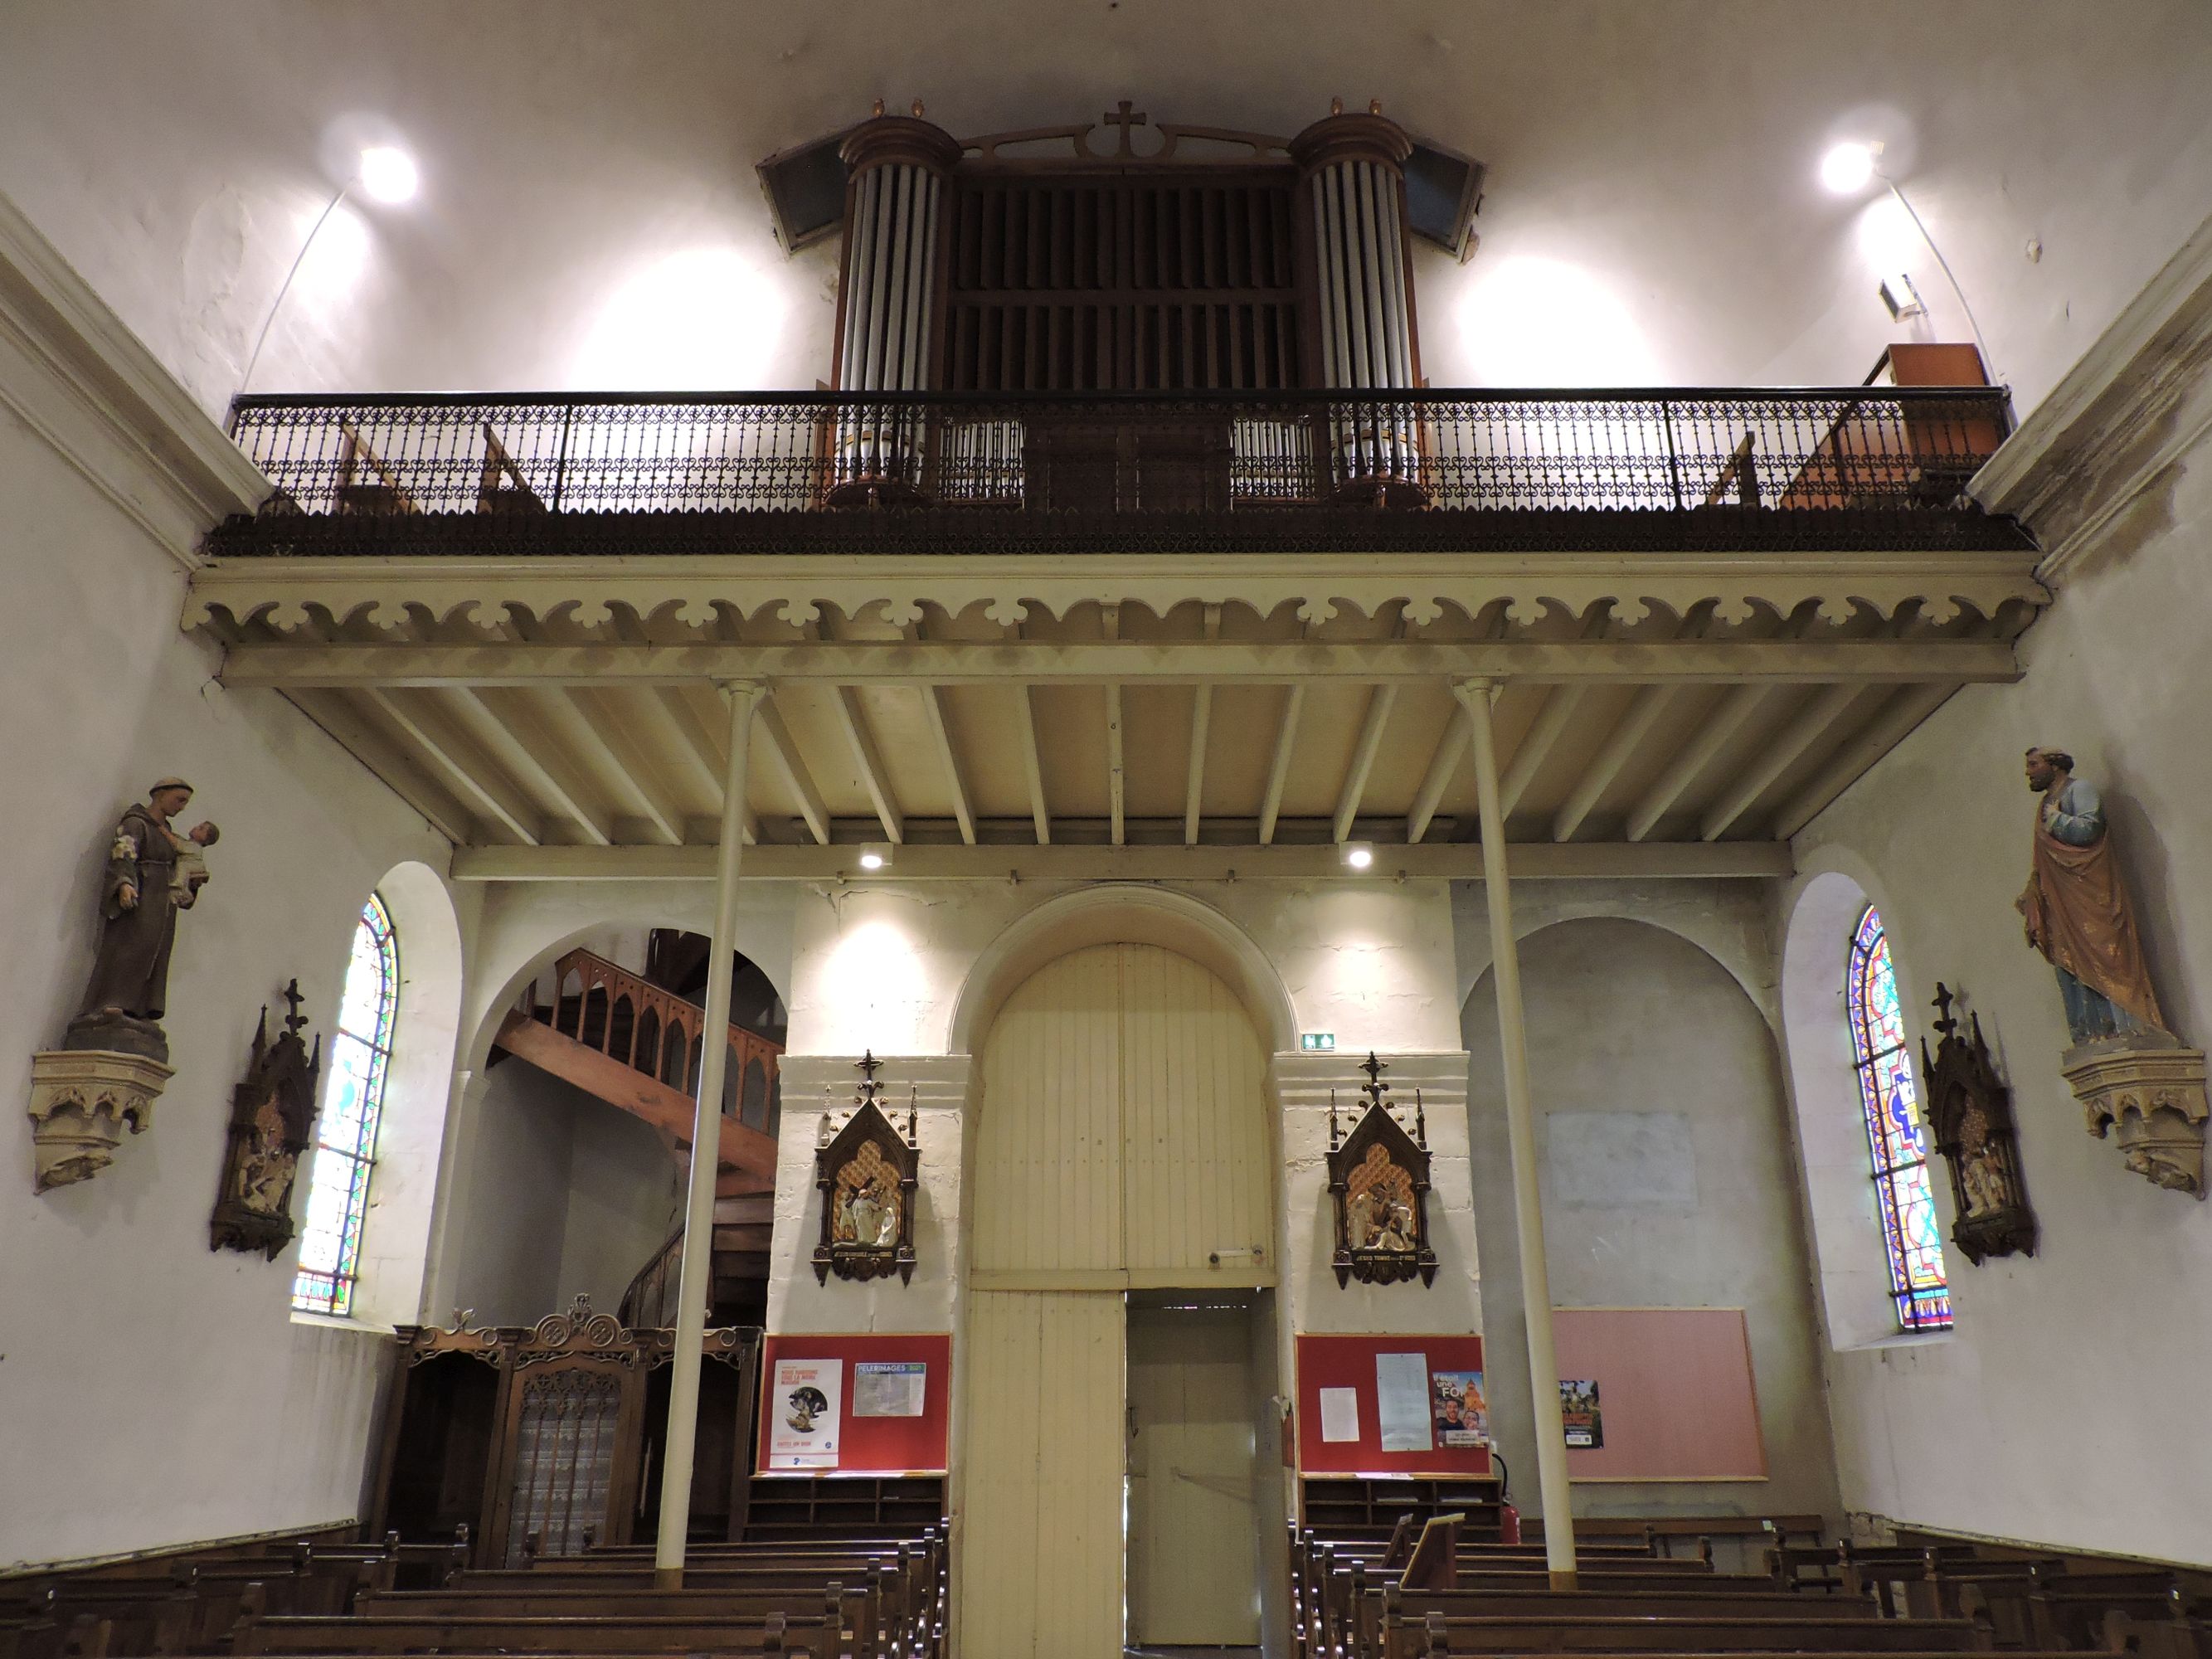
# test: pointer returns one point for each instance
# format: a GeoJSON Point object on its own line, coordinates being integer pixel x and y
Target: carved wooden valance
{"type": "Point", "coordinates": [272, 1118]}
{"type": "Point", "coordinates": [867, 1172]}
{"type": "Point", "coordinates": [581, 1333]}
{"type": "Point", "coordinates": [1379, 1185]}
{"type": "Point", "coordinates": [1970, 1111]}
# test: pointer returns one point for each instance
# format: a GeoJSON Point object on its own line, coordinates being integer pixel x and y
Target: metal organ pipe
{"type": "Point", "coordinates": [896, 198]}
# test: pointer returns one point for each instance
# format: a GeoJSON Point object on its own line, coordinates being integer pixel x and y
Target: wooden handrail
{"type": "Point", "coordinates": [592, 972]}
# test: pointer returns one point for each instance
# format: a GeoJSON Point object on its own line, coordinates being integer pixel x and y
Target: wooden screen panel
{"type": "Point", "coordinates": [1049, 1137]}
{"type": "Point", "coordinates": [1123, 1125]}
{"type": "Point", "coordinates": [1198, 1173]}
{"type": "Point", "coordinates": [1039, 1549]}
{"type": "Point", "coordinates": [1121, 282]}
{"type": "Point", "coordinates": [567, 1430]}
{"type": "Point", "coordinates": [1675, 1393]}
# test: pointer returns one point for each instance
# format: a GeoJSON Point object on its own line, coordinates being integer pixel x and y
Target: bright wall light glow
{"type": "Point", "coordinates": [873, 987]}
{"type": "Point", "coordinates": [388, 175]}
{"type": "Point", "coordinates": [1537, 322]}
{"type": "Point", "coordinates": [1847, 168]}
{"type": "Point", "coordinates": [705, 320]}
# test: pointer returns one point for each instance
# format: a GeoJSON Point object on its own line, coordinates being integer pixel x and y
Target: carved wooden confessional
{"type": "Point", "coordinates": [1032, 263]}
{"type": "Point", "coordinates": [866, 1172]}
{"type": "Point", "coordinates": [1971, 1112]}
{"type": "Point", "coordinates": [1378, 1187]}
{"type": "Point", "coordinates": [544, 1440]}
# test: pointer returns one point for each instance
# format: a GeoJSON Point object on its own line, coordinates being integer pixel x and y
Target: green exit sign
{"type": "Point", "coordinates": [1318, 1041]}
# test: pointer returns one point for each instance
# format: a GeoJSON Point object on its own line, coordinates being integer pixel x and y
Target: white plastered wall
{"type": "Point", "coordinates": [155, 1392]}
{"type": "Point", "coordinates": [2041, 1418]}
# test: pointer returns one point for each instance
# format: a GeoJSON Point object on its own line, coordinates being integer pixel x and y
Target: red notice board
{"type": "Point", "coordinates": [866, 1445]}
{"type": "Point", "coordinates": [1348, 1362]}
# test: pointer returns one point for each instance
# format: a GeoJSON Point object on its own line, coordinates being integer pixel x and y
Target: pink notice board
{"type": "Point", "coordinates": [1674, 1391]}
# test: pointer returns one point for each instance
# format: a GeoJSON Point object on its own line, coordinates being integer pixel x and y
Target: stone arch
{"type": "Point", "coordinates": [1663, 1139]}
{"type": "Point", "coordinates": [1846, 1234]}
{"type": "Point", "coordinates": [1118, 912]}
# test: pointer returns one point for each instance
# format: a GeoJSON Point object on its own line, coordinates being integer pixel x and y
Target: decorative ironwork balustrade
{"type": "Point", "coordinates": [1445, 470]}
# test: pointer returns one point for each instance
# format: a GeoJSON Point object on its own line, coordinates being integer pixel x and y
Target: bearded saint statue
{"type": "Point", "coordinates": [2077, 910]}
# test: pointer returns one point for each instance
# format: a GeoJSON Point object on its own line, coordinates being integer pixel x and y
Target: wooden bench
{"type": "Point", "coordinates": [1438, 1634]}
{"type": "Point", "coordinates": [1354, 1626]}
{"type": "Point", "coordinates": [819, 1636]}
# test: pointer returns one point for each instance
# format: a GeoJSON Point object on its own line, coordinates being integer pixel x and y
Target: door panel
{"type": "Point", "coordinates": [1040, 1548]}
{"type": "Point", "coordinates": [1193, 1560]}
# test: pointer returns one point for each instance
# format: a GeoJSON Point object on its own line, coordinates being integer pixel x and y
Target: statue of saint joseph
{"type": "Point", "coordinates": [2077, 910]}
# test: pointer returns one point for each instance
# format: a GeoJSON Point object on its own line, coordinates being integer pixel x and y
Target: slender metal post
{"type": "Point", "coordinates": [1520, 1124]}
{"type": "Point", "coordinates": [695, 1278]}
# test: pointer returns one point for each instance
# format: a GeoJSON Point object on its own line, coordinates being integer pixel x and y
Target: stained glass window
{"type": "Point", "coordinates": [1896, 1141]}
{"type": "Point", "coordinates": [356, 1062]}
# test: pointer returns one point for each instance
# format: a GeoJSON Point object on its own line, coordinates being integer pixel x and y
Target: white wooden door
{"type": "Point", "coordinates": [1040, 1548]}
{"type": "Point", "coordinates": [1193, 1540]}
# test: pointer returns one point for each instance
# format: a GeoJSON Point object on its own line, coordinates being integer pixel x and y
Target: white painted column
{"type": "Point", "coordinates": [1520, 1124]}
{"type": "Point", "coordinates": [694, 1280]}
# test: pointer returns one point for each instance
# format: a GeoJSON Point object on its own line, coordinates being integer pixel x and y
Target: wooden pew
{"type": "Point", "coordinates": [1440, 1634]}
{"type": "Point", "coordinates": [819, 1636]}
{"type": "Point", "coordinates": [42, 1635]}
{"type": "Point", "coordinates": [862, 1610]}
{"type": "Point", "coordinates": [143, 1615]}
{"type": "Point", "coordinates": [1356, 1624]}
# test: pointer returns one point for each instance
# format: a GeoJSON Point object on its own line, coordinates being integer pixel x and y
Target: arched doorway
{"type": "Point", "coordinates": [1122, 1179]}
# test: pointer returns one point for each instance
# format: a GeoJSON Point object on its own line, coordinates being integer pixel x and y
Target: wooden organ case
{"type": "Point", "coordinates": [1035, 263]}
{"type": "Point", "coordinates": [545, 1440]}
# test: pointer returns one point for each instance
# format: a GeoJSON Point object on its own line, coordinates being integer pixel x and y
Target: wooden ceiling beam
{"type": "Point", "coordinates": [703, 752]}
{"type": "Point", "coordinates": [1890, 726]}
{"type": "Point", "coordinates": [868, 761]}
{"type": "Point", "coordinates": [1804, 729]}
{"type": "Point", "coordinates": [608, 748]}
{"type": "Point", "coordinates": [538, 762]}
{"type": "Point", "coordinates": [768, 720]}
{"type": "Point", "coordinates": [1362, 761]}
{"type": "Point", "coordinates": [1535, 747]}
{"type": "Point", "coordinates": [1451, 749]}
{"type": "Point", "coordinates": [1681, 770]}
{"type": "Point", "coordinates": [426, 731]}
{"type": "Point", "coordinates": [1094, 862]}
{"type": "Point", "coordinates": [1279, 771]}
{"type": "Point", "coordinates": [1201, 715]}
{"type": "Point", "coordinates": [1620, 748]}
{"type": "Point", "coordinates": [965, 662]}
{"type": "Point", "coordinates": [388, 760]}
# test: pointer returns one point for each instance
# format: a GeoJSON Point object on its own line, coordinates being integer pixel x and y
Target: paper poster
{"type": "Point", "coordinates": [888, 1388]}
{"type": "Point", "coordinates": [1401, 1401]}
{"type": "Point", "coordinates": [804, 1411]}
{"type": "Point", "coordinates": [1461, 1407]}
{"type": "Point", "coordinates": [1340, 1415]}
{"type": "Point", "coordinates": [1578, 1412]}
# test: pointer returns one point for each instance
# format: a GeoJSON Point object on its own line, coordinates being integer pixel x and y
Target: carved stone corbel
{"type": "Point", "coordinates": [82, 1100]}
{"type": "Point", "coordinates": [2151, 1098]}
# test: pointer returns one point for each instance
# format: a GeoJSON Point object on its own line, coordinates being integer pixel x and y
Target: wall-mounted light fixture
{"type": "Point", "coordinates": [1359, 854]}
{"type": "Point", "coordinates": [1848, 168]}
{"type": "Point", "coordinates": [385, 173]}
{"type": "Point", "coordinates": [875, 857]}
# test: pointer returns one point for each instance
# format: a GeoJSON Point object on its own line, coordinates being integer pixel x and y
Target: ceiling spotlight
{"type": "Point", "coordinates": [875, 858]}
{"type": "Point", "coordinates": [1848, 168]}
{"type": "Point", "coordinates": [388, 175]}
{"type": "Point", "coordinates": [1359, 854]}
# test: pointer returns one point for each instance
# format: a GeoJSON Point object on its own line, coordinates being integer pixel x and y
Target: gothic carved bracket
{"type": "Point", "coordinates": [82, 1101]}
{"type": "Point", "coordinates": [2151, 1099]}
{"type": "Point", "coordinates": [1378, 1186]}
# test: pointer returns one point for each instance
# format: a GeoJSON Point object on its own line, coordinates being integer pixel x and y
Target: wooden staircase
{"type": "Point", "coordinates": [636, 1046]}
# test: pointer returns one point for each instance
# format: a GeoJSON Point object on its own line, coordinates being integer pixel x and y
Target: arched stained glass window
{"type": "Point", "coordinates": [1896, 1141]}
{"type": "Point", "coordinates": [359, 1058]}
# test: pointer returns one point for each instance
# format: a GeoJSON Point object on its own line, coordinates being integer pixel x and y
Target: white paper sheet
{"type": "Point", "coordinates": [1401, 1401]}
{"type": "Point", "coordinates": [1340, 1415]}
{"type": "Point", "coordinates": [806, 1414]}
{"type": "Point", "coordinates": [889, 1387]}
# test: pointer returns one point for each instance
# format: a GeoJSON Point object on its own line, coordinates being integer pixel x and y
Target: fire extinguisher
{"type": "Point", "coordinates": [1508, 1518]}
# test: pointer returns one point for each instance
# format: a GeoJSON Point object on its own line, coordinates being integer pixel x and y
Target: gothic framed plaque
{"type": "Point", "coordinates": [866, 1172]}
{"type": "Point", "coordinates": [272, 1116]}
{"type": "Point", "coordinates": [1971, 1112]}
{"type": "Point", "coordinates": [1378, 1186]}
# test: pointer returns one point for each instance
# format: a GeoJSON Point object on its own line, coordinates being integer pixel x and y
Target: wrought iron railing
{"type": "Point", "coordinates": [429, 473]}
